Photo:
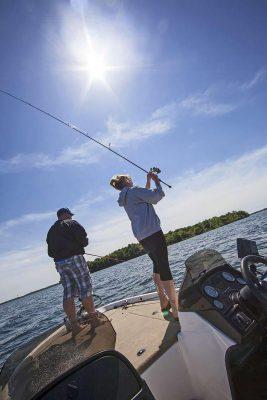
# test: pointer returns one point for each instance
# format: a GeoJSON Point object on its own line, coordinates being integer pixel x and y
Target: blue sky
{"type": "Point", "coordinates": [183, 88]}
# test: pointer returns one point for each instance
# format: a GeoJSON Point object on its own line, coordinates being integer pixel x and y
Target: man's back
{"type": "Point", "coordinates": [65, 239]}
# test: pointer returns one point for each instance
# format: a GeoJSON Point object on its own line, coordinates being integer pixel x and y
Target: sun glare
{"type": "Point", "coordinates": [94, 52]}
{"type": "Point", "coordinates": [92, 62]}
{"type": "Point", "coordinates": [96, 67]}
{"type": "Point", "coordinates": [96, 58]}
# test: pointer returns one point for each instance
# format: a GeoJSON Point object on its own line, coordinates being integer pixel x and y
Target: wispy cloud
{"type": "Point", "coordinates": [233, 184]}
{"type": "Point", "coordinates": [229, 185]}
{"type": "Point", "coordinates": [86, 153]}
{"type": "Point", "coordinates": [161, 122]}
{"type": "Point", "coordinates": [24, 219]}
{"type": "Point", "coordinates": [257, 78]}
{"type": "Point", "coordinates": [204, 104]}
{"type": "Point", "coordinates": [86, 201]}
{"type": "Point", "coordinates": [27, 262]}
{"type": "Point", "coordinates": [80, 208]}
{"type": "Point", "coordinates": [122, 134]}
{"type": "Point", "coordinates": [117, 134]}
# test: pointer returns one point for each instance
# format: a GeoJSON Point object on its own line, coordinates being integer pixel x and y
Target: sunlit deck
{"type": "Point", "coordinates": [141, 327]}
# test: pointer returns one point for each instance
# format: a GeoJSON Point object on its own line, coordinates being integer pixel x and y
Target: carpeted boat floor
{"type": "Point", "coordinates": [143, 333]}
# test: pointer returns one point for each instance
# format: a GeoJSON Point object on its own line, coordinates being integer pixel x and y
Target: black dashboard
{"type": "Point", "coordinates": [211, 291]}
{"type": "Point", "coordinates": [218, 287]}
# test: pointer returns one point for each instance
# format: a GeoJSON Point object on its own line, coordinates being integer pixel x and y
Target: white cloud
{"type": "Point", "coordinates": [160, 122]}
{"type": "Point", "coordinates": [80, 208]}
{"type": "Point", "coordinates": [85, 153]}
{"type": "Point", "coordinates": [117, 134]}
{"type": "Point", "coordinates": [204, 104]}
{"type": "Point", "coordinates": [230, 185]}
{"type": "Point", "coordinates": [233, 184]}
{"type": "Point", "coordinates": [24, 219]}
{"type": "Point", "coordinates": [167, 111]}
{"type": "Point", "coordinates": [25, 270]}
{"type": "Point", "coordinates": [258, 77]}
{"type": "Point", "coordinates": [121, 134]}
{"type": "Point", "coordinates": [24, 258]}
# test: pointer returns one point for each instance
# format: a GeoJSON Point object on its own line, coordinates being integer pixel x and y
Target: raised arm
{"type": "Point", "coordinates": [149, 195]}
{"type": "Point", "coordinates": [148, 180]}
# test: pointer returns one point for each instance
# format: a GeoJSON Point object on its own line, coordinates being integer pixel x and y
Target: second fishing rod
{"type": "Point", "coordinates": [111, 258]}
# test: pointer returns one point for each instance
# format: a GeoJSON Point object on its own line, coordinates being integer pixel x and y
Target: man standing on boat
{"type": "Point", "coordinates": [66, 240]}
{"type": "Point", "coordinates": [138, 204]}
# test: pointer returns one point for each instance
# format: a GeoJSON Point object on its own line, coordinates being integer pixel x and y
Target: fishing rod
{"type": "Point", "coordinates": [96, 255]}
{"type": "Point", "coordinates": [73, 127]}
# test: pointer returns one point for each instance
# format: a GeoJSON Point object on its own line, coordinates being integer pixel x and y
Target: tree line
{"type": "Point", "coordinates": [135, 249]}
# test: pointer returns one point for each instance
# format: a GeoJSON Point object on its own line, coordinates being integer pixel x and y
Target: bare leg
{"type": "Point", "coordinates": [70, 310]}
{"type": "Point", "coordinates": [88, 304]}
{"type": "Point", "coordinates": [172, 295]}
{"type": "Point", "coordinates": [160, 289]}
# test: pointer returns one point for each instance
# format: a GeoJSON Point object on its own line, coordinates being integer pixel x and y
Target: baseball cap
{"type": "Point", "coordinates": [64, 210]}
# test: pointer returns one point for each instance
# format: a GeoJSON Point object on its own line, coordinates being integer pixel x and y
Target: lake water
{"type": "Point", "coordinates": [22, 319]}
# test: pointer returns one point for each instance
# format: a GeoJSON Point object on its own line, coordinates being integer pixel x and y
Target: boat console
{"type": "Point", "coordinates": [220, 294]}
{"type": "Point", "coordinates": [223, 313]}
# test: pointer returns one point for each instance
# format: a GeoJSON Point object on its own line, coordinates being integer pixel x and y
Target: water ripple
{"type": "Point", "coordinates": [25, 318]}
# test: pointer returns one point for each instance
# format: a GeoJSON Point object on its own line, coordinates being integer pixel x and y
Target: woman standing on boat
{"type": "Point", "coordinates": [138, 204]}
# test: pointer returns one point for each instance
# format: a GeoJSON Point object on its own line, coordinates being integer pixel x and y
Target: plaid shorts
{"type": "Point", "coordinates": [75, 277]}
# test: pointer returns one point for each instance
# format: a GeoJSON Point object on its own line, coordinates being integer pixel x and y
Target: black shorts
{"type": "Point", "coordinates": [156, 247]}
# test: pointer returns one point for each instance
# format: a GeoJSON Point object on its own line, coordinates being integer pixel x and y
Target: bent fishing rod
{"type": "Point", "coordinates": [73, 127]}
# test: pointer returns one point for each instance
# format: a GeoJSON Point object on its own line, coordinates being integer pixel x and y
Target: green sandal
{"type": "Point", "coordinates": [167, 308]}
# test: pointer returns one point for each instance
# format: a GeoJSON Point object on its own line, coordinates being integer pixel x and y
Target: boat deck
{"type": "Point", "coordinates": [142, 328]}
{"type": "Point", "coordinates": [143, 334]}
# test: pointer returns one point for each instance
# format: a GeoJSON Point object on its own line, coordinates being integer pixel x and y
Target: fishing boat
{"type": "Point", "coordinates": [216, 351]}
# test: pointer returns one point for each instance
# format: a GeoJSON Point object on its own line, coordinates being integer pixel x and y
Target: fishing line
{"type": "Point", "coordinates": [73, 127]}
{"type": "Point", "coordinates": [111, 258]}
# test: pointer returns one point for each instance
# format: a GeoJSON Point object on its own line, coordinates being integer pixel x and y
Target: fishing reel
{"type": "Point", "coordinates": [155, 170]}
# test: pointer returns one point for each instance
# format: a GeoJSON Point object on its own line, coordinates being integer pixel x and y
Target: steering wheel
{"type": "Point", "coordinates": [257, 286]}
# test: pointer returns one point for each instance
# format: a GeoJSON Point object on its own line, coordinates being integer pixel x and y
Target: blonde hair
{"type": "Point", "coordinates": [118, 181]}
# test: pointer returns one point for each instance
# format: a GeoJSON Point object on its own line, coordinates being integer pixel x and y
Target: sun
{"type": "Point", "coordinates": [93, 58]}
{"type": "Point", "coordinates": [93, 52]}
{"type": "Point", "coordinates": [92, 61]}
{"type": "Point", "coordinates": [96, 67]}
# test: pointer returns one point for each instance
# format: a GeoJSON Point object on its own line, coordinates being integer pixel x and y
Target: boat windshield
{"type": "Point", "coordinates": [203, 261]}
{"type": "Point", "coordinates": [53, 356]}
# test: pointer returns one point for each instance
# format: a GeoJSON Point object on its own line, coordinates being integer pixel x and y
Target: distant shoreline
{"type": "Point", "coordinates": [56, 284]}
{"type": "Point", "coordinates": [134, 250]}
{"type": "Point", "coordinates": [256, 212]}
{"type": "Point", "coordinates": [27, 294]}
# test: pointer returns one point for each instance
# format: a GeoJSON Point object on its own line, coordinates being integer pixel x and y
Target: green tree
{"type": "Point", "coordinates": [135, 249]}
